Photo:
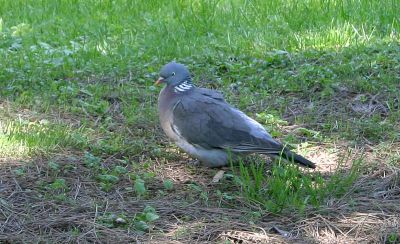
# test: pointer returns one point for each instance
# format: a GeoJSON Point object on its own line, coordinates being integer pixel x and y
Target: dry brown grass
{"type": "Point", "coordinates": [368, 213]}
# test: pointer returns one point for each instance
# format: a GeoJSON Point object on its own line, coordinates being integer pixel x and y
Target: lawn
{"type": "Point", "coordinates": [83, 158]}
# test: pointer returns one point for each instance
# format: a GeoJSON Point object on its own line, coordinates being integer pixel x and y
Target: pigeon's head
{"type": "Point", "coordinates": [173, 74]}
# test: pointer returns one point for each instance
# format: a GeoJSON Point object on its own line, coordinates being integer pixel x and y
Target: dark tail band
{"type": "Point", "coordinates": [293, 157]}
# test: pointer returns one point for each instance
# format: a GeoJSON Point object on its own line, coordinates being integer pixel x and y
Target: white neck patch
{"type": "Point", "coordinates": [184, 86]}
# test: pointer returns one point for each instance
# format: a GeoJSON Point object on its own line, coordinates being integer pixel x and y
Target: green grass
{"type": "Point", "coordinates": [286, 188]}
{"type": "Point", "coordinates": [23, 138]}
{"type": "Point", "coordinates": [76, 80]}
{"type": "Point", "coordinates": [64, 39]}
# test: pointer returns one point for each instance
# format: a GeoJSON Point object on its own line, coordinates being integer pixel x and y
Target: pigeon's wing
{"type": "Point", "coordinates": [210, 93]}
{"type": "Point", "coordinates": [203, 118]}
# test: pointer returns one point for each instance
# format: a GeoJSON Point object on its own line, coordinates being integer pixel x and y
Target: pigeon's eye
{"type": "Point", "coordinates": [173, 73]}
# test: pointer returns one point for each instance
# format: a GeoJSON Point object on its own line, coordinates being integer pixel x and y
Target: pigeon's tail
{"type": "Point", "coordinates": [293, 157]}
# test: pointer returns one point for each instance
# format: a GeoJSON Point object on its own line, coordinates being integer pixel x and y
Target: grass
{"type": "Point", "coordinates": [288, 189]}
{"type": "Point", "coordinates": [82, 157]}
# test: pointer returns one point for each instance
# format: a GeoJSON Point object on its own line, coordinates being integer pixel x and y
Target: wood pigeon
{"type": "Point", "coordinates": [205, 126]}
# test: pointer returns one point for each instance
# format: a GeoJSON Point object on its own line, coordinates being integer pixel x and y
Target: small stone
{"type": "Point", "coordinates": [120, 220]}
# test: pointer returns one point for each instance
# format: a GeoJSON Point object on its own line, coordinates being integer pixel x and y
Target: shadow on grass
{"type": "Point", "coordinates": [36, 207]}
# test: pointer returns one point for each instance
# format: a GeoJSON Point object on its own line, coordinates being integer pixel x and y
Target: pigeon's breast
{"type": "Point", "coordinates": [166, 103]}
{"type": "Point", "coordinates": [173, 133]}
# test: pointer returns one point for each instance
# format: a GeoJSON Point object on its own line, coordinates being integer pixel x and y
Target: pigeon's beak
{"type": "Point", "coordinates": [160, 80]}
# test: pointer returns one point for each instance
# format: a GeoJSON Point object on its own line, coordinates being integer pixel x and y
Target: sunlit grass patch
{"type": "Point", "coordinates": [23, 138]}
{"type": "Point", "coordinates": [12, 148]}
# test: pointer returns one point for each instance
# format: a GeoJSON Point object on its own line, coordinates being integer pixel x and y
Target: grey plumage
{"type": "Point", "coordinates": [204, 125]}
